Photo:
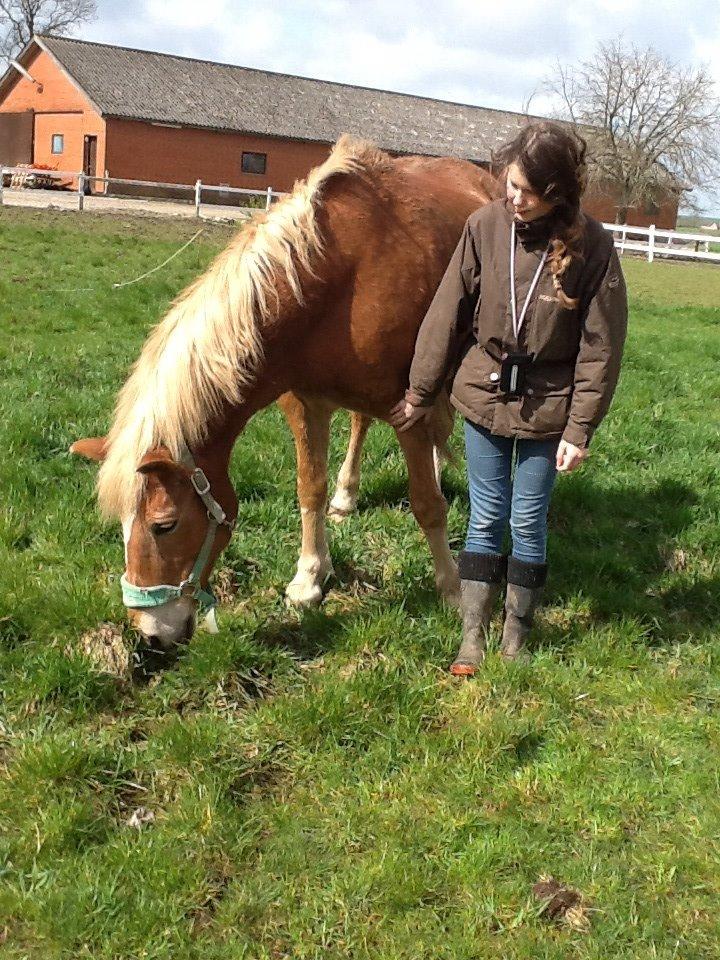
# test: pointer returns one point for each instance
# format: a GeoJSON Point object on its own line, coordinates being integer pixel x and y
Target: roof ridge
{"type": "Point", "coordinates": [292, 76]}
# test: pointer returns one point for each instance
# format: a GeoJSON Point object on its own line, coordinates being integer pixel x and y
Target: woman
{"type": "Point", "coordinates": [532, 313]}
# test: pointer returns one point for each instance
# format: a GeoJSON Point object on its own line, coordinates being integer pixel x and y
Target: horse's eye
{"type": "Point", "coordinates": [160, 528]}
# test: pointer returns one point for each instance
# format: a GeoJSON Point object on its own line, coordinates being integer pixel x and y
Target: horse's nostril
{"type": "Point", "coordinates": [189, 625]}
{"type": "Point", "coordinates": [153, 640]}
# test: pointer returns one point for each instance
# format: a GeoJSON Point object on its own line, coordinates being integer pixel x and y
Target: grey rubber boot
{"type": "Point", "coordinates": [525, 583]}
{"type": "Point", "coordinates": [480, 578]}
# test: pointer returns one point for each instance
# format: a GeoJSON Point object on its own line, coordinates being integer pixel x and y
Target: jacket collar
{"type": "Point", "coordinates": [535, 233]}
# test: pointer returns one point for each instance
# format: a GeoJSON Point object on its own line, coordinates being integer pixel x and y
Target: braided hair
{"type": "Point", "coordinates": [552, 157]}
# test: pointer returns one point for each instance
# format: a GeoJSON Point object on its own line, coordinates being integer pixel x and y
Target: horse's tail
{"type": "Point", "coordinates": [441, 427]}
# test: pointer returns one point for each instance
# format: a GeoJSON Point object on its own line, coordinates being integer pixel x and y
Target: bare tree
{"type": "Point", "coordinates": [20, 19]}
{"type": "Point", "coordinates": [652, 125]}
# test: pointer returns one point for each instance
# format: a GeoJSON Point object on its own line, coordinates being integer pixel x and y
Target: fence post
{"type": "Point", "coordinates": [198, 196]}
{"type": "Point", "coordinates": [81, 191]}
{"type": "Point", "coordinates": [651, 243]}
{"type": "Point", "coordinates": [269, 198]}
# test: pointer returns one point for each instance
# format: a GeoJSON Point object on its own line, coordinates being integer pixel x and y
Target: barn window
{"type": "Point", "coordinates": [254, 162]}
{"type": "Point", "coordinates": [58, 143]}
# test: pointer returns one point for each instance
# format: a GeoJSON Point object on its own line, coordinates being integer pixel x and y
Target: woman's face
{"type": "Point", "coordinates": [527, 204]}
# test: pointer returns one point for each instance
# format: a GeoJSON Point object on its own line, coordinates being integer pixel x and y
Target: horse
{"type": "Point", "coordinates": [315, 304]}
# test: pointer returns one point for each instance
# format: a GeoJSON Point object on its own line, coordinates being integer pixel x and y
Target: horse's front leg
{"type": "Point", "coordinates": [344, 501]}
{"type": "Point", "coordinates": [309, 421]}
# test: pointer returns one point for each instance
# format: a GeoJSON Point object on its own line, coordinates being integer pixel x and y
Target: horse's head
{"type": "Point", "coordinates": [179, 527]}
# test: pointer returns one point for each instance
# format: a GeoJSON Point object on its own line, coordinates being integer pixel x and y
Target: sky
{"type": "Point", "coordinates": [472, 51]}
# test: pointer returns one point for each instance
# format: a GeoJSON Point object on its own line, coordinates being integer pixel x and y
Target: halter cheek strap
{"type": "Point", "coordinates": [134, 596]}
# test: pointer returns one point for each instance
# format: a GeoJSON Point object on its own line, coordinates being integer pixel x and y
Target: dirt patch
{"type": "Point", "coordinates": [562, 904]}
{"type": "Point", "coordinates": [226, 585]}
{"type": "Point", "coordinates": [107, 651]}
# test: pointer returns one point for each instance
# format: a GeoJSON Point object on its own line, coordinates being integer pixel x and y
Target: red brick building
{"type": "Point", "coordinates": [140, 115]}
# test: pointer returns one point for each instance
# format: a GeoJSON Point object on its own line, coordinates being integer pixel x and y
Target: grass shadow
{"type": "Point", "coordinates": [390, 490]}
{"type": "Point", "coordinates": [615, 546]}
{"type": "Point", "coordinates": [148, 662]}
{"type": "Point", "coordinates": [314, 633]}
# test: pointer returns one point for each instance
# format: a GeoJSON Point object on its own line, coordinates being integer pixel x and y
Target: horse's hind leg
{"type": "Point", "coordinates": [344, 500]}
{"type": "Point", "coordinates": [309, 421]}
{"type": "Point", "coordinates": [429, 507]}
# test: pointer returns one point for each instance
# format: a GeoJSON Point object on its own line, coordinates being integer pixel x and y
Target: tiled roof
{"type": "Point", "coordinates": [142, 85]}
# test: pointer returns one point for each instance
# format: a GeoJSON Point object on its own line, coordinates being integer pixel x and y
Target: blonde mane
{"type": "Point", "coordinates": [208, 348]}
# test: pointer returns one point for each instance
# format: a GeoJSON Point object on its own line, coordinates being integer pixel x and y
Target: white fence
{"type": "Point", "coordinates": [662, 243]}
{"type": "Point", "coordinates": [79, 182]}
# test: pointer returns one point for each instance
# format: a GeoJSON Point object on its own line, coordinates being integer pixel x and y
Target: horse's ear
{"type": "Point", "coordinates": [94, 448]}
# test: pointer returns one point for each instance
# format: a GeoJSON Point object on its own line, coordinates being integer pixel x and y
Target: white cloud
{"type": "Point", "coordinates": [474, 51]}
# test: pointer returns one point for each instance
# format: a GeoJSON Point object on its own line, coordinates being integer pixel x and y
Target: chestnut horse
{"type": "Point", "coordinates": [316, 303]}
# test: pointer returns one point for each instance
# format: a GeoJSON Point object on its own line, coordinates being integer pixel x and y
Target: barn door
{"type": "Point", "coordinates": [90, 161]}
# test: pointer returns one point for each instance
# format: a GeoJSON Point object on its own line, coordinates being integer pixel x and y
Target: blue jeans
{"type": "Point", "coordinates": [497, 496]}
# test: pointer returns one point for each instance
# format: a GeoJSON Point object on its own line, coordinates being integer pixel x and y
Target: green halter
{"type": "Point", "coordinates": [134, 596]}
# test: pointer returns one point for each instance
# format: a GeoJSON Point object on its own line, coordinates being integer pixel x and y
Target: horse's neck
{"type": "Point", "coordinates": [231, 421]}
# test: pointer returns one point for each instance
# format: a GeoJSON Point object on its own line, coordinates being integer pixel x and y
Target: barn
{"type": "Point", "coordinates": [141, 115]}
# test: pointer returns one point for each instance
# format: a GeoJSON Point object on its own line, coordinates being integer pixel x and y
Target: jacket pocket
{"type": "Point", "coordinates": [546, 414]}
{"type": "Point", "coordinates": [479, 370]}
{"type": "Point", "coordinates": [546, 379]}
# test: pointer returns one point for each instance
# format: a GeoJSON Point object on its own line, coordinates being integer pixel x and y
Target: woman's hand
{"type": "Point", "coordinates": [569, 457]}
{"type": "Point", "coordinates": [405, 415]}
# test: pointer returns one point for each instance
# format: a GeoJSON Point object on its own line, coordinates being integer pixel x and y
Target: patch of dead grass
{"type": "Point", "coordinates": [106, 649]}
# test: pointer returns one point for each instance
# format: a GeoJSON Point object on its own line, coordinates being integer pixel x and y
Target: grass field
{"type": "Point", "coordinates": [321, 788]}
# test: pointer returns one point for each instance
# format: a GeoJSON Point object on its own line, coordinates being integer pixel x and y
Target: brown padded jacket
{"type": "Point", "coordinates": [468, 328]}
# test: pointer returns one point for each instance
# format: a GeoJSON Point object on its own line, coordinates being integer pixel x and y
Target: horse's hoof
{"type": "Point", "coordinates": [341, 507]}
{"type": "Point", "coordinates": [304, 593]}
{"type": "Point", "coordinates": [338, 514]}
{"type": "Point", "coordinates": [452, 599]}
{"type": "Point", "coordinates": [449, 590]}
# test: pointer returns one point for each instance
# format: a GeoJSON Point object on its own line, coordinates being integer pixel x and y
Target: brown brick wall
{"type": "Point", "coordinates": [145, 151]}
{"type": "Point", "coordinates": [59, 108]}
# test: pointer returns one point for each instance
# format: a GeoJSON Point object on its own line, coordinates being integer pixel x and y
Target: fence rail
{"type": "Point", "coordinates": [647, 240]}
{"type": "Point", "coordinates": [83, 181]}
{"type": "Point", "coordinates": [662, 243]}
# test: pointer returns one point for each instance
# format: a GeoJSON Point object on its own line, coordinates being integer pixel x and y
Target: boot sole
{"type": "Point", "coordinates": [462, 670]}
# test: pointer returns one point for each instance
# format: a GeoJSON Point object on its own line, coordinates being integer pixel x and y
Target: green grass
{"type": "Point", "coordinates": [321, 787]}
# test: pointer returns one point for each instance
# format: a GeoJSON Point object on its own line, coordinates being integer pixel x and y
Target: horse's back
{"type": "Point", "coordinates": [389, 233]}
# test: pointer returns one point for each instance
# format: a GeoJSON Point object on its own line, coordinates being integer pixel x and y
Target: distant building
{"type": "Point", "coordinates": [150, 116]}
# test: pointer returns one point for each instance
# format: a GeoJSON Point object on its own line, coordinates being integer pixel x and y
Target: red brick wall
{"type": "Point", "coordinates": [143, 151]}
{"type": "Point", "coordinates": [603, 208]}
{"type": "Point", "coordinates": [59, 108]}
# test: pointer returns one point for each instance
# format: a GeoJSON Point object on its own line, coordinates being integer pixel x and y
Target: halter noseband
{"type": "Point", "coordinates": [134, 596]}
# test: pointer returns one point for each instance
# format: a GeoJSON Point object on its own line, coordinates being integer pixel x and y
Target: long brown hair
{"type": "Point", "coordinates": [552, 157]}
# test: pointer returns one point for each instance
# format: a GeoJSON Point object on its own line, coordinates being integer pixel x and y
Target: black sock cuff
{"type": "Point", "coordinates": [485, 567]}
{"type": "Point", "coordinates": [522, 574]}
